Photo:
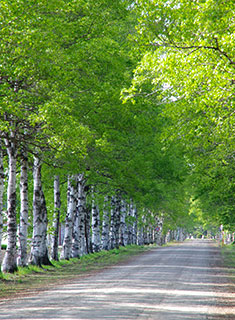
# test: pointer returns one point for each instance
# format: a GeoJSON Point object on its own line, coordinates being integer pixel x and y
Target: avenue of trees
{"type": "Point", "coordinates": [116, 124]}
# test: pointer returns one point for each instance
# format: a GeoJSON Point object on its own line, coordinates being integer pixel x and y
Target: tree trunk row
{"type": "Point", "coordinates": [87, 228]}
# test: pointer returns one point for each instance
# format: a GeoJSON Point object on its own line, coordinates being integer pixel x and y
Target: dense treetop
{"type": "Point", "coordinates": [188, 59]}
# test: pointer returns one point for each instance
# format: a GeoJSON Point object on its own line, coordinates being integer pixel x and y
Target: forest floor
{"type": "Point", "coordinates": [179, 282]}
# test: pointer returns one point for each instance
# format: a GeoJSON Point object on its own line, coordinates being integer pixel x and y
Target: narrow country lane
{"type": "Point", "coordinates": [185, 281]}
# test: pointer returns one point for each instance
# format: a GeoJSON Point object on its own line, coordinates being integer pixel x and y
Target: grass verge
{"type": "Point", "coordinates": [31, 279]}
{"type": "Point", "coordinates": [228, 252]}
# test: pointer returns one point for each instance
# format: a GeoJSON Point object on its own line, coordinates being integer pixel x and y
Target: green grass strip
{"type": "Point", "coordinates": [228, 252]}
{"type": "Point", "coordinates": [32, 279]}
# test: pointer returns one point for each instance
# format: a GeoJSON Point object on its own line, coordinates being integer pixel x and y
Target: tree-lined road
{"type": "Point", "coordinates": [185, 281]}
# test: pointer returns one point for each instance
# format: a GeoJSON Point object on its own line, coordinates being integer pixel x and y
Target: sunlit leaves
{"type": "Point", "coordinates": [188, 54]}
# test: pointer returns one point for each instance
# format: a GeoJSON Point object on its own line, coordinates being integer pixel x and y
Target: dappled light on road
{"type": "Point", "coordinates": [180, 282]}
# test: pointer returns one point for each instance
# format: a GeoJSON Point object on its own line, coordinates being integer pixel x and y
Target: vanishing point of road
{"type": "Point", "coordinates": [186, 281]}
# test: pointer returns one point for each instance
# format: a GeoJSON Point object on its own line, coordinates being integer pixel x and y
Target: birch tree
{"type": "Point", "coordinates": [9, 263]}
{"type": "Point", "coordinates": [20, 81]}
{"type": "Point", "coordinates": [23, 228]}
{"type": "Point", "coordinates": [82, 214]}
{"type": "Point", "coordinates": [95, 220]}
{"type": "Point", "coordinates": [112, 224]}
{"type": "Point", "coordinates": [39, 250]}
{"type": "Point", "coordinates": [75, 235]}
{"type": "Point", "coordinates": [88, 230]}
{"type": "Point", "coordinates": [130, 224]}
{"type": "Point", "coordinates": [135, 223]}
{"type": "Point", "coordinates": [69, 220]}
{"type": "Point", "coordinates": [123, 225]}
{"type": "Point", "coordinates": [56, 219]}
{"type": "Point", "coordinates": [140, 238]}
{"type": "Point", "coordinates": [2, 178]}
{"type": "Point", "coordinates": [105, 225]}
{"type": "Point", "coordinates": [117, 217]}
{"type": "Point", "coordinates": [159, 229]}
{"type": "Point", "coordinates": [79, 240]}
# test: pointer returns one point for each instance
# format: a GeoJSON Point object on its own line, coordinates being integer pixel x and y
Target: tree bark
{"type": "Point", "coordinates": [75, 235]}
{"type": "Point", "coordinates": [159, 231]}
{"type": "Point", "coordinates": [135, 220]}
{"type": "Point", "coordinates": [117, 216]}
{"type": "Point", "coordinates": [9, 262]}
{"type": "Point", "coordinates": [105, 226]}
{"type": "Point", "coordinates": [56, 219]}
{"type": "Point", "coordinates": [112, 225]}
{"type": "Point", "coordinates": [69, 220]}
{"type": "Point", "coordinates": [129, 225]}
{"type": "Point", "coordinates": [39, 251]}
{"type": "Point", "coordinates": [23, 230]}
{"type": "Point", "coordinates": [79, 238]}
{"type": "Point", "coordinates": [88, 231]}
{"type": "Point", "coordinates": [146, 240]}
{"type": "Point", "coordinates": [150, 231]}
{"type": "Point", "coordinates": [45, 254]}
{"type": "Point", "coordinates": [141, 233]}
{"type": "Point", "coordinates": [95, 216]}
{"type": "Point", "coordinates": [123, 226]}
{"type": "Point", "coordinates": [2, 177]}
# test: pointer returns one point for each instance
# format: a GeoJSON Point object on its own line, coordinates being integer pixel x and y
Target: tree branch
{"type": "Point", "coordinates": [216, 48]}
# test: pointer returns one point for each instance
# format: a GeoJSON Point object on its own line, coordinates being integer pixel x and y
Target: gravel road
{"type": "Point", "coordinates": [185, 281]}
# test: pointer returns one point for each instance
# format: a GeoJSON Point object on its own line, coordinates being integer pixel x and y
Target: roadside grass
{"type": "Point", "coordinates": [228, 252]}
{"type": "Point", "coordinates": [28, 280]}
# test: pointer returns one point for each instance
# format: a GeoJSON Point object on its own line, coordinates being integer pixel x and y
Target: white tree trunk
{"type": "Point", "coordinates": [44, 250]}
{"type": "Point", "coordinates": [105, 226]}
{"type": "Point", "coordinates": [123, 226]}
{"type": "Point", "coordinates": [146, 235]}
{"type": "Point", "coordinates": [141, 233]}
{"type": "Point", "coordinates": [150, 234]}
{"type": "Point", "coordinates": [23, 230]}
{"type": "Point", "coordinates": [56, 219]}
{"type": "Point", "coordinates": [75, 236]}
{"type": "Point", "coordinates": [159, 222]}
{"type": "Point", "coordinates": [112, 225]}
{"type": "Point", "coordinates": [146, 229]}
{"type": "Point", "coordinates": [9, 262]}
{"type": "Point", "coordinates": [2, 177]}
{"type": "Point", "coordinates": [39, 251]}
{"type": "Point", "coordinates": [182, 236]}
{"type": "Point", "coordinates": [88, 230]}
{"type": "Point", "coordinates": [82, 214]}
{"type": "Point", "coordinates": [135, 217]}
{"type": "Point", "coordinates": [69, 221]}
{"type": "Point", "coordinates": [95, 218]}
{"type": "Point", "coordinates": [130, 224]}
{"type": "Point", "coordinates": [79, 239]}
{"type": "Point", "coordinates": [167, 237]}
{"type": "Point", "coordinates": [117, 217]}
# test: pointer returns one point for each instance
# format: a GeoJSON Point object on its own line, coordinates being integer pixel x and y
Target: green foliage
{"type": "Point", "coordinates": [64, 65]}
{"type": "Point", "coordinates": [188, 61]}
{"type": "Point", "coordinates": [228, 253]}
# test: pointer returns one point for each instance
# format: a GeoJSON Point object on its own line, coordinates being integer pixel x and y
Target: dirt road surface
{"type": "Point", "coordinates": [185, 281]}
